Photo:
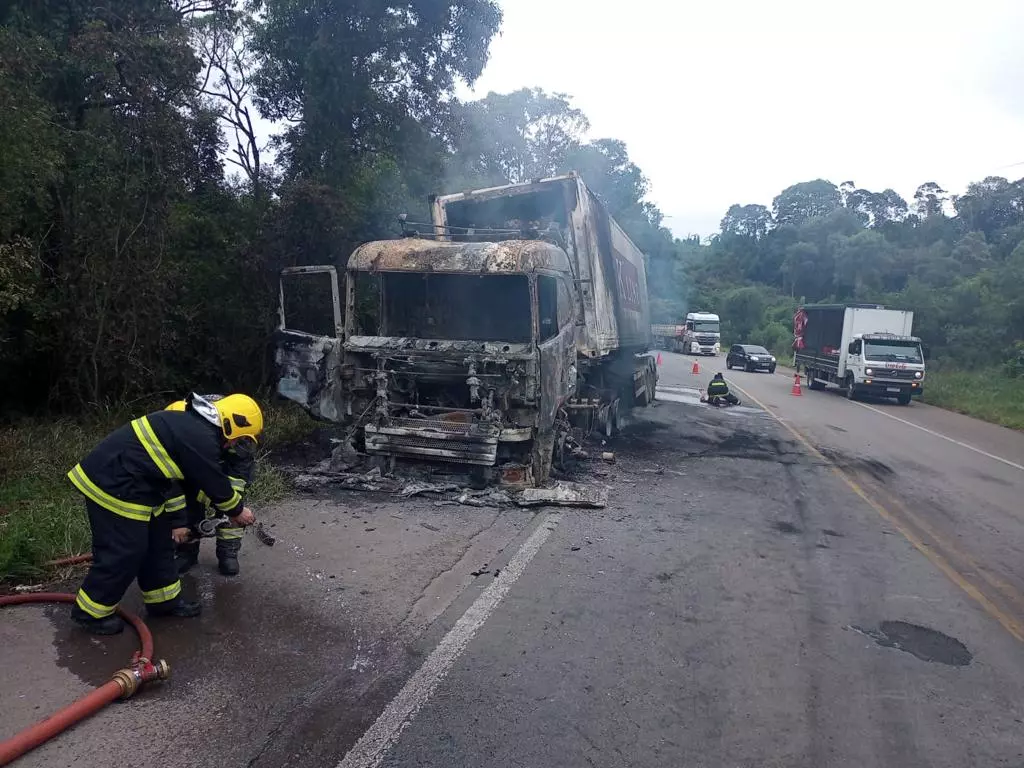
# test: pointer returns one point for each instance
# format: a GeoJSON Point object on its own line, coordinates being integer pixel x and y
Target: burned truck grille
{"type": "Point", "coordinates": [435, 439]}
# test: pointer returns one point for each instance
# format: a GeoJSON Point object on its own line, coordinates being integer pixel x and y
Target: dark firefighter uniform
{"type": "Point", "coordinates": [718, 390]}
{"type": "Point", "coordinates": [237, 463]}
{"type": "Point", "coordinates": [126, 481]}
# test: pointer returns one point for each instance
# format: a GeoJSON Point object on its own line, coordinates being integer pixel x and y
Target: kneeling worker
{"type": "Point", "coordinates": [237, 461]}
{"type": "Point", "coordinates": [126, 480]}
{"type": "Point", "coordinates": [718, 391]}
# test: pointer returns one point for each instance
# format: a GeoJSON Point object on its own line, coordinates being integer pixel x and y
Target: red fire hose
{"type": "Point", "coordinates": [124, 683]}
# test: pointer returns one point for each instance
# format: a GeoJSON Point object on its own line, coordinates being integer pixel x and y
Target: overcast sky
{"type": "Point", "coordinates": [730, 102]}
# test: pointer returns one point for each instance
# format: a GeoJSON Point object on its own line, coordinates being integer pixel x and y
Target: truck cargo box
{"type": "Point", "coordinates": [607, 267]}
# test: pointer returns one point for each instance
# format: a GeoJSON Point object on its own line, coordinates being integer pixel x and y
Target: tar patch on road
{"type": "Point", "coordinates": [783, 527]}
{"type": "Point", "coordinates": [920, 642]}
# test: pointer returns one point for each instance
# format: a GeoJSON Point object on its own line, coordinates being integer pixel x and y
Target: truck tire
{"type": "Point", "coordinates": [728, 364]}
{"type": "Point", "coordinates": [851, 392]}
{"type": "Point", "coordinates": [904, 399]}
{"type": "Point", "coordinates": [812, 381]}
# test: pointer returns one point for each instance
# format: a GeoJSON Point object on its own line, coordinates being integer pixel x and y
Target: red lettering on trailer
{"type": "Point", "coordinates": [628, 280]}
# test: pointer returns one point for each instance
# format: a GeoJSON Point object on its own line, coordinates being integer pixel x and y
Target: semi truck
{"type": "Point", "coordinates": [668, 337]}
{"type": "Point", "coordinates": [701, 334]}
{"type": "Point", "coordinates": [863, 349]}
{"type": "Point", "coordinates": [483, 337]}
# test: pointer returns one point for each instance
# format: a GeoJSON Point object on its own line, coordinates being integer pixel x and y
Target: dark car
{"type": "Point", "coordinates": [750, 357]}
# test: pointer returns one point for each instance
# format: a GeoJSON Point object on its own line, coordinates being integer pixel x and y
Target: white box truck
{"type": "Point", "coordinates": [864, 349]}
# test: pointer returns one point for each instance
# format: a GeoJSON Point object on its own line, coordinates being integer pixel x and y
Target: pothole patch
{"type": "Point", "coordinates": [920, 642]}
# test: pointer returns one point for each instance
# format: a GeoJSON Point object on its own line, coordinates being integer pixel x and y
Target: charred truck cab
{"type": "Point", "coordinates": [481, 338]}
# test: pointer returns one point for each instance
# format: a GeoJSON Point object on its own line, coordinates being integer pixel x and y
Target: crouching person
{"type": "Point", "coordinates": [237, 463]}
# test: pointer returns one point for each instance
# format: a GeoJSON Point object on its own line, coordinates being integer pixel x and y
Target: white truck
{"type": "Point", "coordinates": [701, 334]}
{"type": "Point", "coordinates": [864, 349]}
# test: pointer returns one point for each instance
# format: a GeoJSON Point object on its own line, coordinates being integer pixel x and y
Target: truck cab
{"type": "Point", "coordinates": [702, 334]}
{"type": "Point", "coordinates": [482, 337]}
{"type": "Point", "coordinates": [885, 365]}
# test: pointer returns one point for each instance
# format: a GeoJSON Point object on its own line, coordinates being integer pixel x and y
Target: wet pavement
{"type": "Point", "coordinates": [736, 604]}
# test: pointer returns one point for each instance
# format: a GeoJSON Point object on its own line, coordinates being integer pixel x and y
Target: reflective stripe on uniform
{"type": "Point", "coordinates": [123, 508]}
{"type": "Point", "coordinates": [203, 498]}
{"type": "Point", "coordinates": [231, 503]}
{"type": "Point", "coordinates": [175, 505]}
{"type": "Point", "coordinates": [90, 606]}
{"type": "Point", "coordinates": [237, 483]}
{"type": "Point", "coordinates": [144, 431]}
{"type": "Point", "coordinates": [162, 594]}
{"type": "Point", "coordinates": [225, 533]}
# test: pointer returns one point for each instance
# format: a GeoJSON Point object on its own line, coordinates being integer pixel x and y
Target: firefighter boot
{"type": "Point", "coordinates": [227, 556]}
{"type": "Point", "coordinates": [108, 625]}
{"type": "Point", "coordinates": [186, 555]}
{"type": "Point", "coordinates": [178, 607]}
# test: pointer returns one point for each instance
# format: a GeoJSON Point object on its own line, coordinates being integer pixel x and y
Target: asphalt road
{"type": "Point", "coordinates": [837, 588]}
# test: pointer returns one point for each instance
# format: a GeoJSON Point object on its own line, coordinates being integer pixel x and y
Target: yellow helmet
{"type": "Point", "coordinates": [240, 416]}
{"type": "Point", "coordinates": [177, 405]}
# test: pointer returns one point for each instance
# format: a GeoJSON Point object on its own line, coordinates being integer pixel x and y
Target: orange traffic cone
{"type": "Point", "coordinates": [659, 358]}
{"type": "Point", "coordinates": [795, 391]}
{"type": "Point", "coordinates": [696, 368]}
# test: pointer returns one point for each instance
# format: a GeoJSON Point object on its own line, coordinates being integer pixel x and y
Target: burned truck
{"type": "Point", "coordinates": [489, 337]}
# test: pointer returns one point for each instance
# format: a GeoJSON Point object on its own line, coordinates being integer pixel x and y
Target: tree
{"type": "Point", "coordinates": [743, 309]}
{"type": "Point", "coordinates": [806, 200]}
{"type": "Point", "coordinates": [224, 42]}
{"type": "Point", "coordinates": [508, 138]}
{"type": "Point", "coordinates": [347, 77]}
{"type": "Point", "coordinates": [747, 221]}
{"type": "Point", "coordinates": [991, 205]}
{"type": "Point", "coordinates": [930, 200]}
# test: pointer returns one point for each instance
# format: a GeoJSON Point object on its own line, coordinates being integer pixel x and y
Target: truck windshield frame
{"type": "Point", "coordinates": [893, 351]}
{"type": "Point", "coordinates": [446, 306]}
{"type": "Point", "coordinates": [706, 326]}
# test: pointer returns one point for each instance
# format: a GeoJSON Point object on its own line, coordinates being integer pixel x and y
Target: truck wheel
{"type": "Point", "coordinates": [851, 393]}
{"type": "Point", "coordinates": [904, 399]}
{"type": "Point", "coordinates": [728, 364]}
{"type": "Point", "coordinates": [812, 381]}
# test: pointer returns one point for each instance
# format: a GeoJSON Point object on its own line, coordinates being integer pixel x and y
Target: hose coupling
{"type": "Point", "coordinates": [128, 680]}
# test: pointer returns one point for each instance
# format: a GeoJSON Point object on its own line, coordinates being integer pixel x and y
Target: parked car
{"type": "Point", "coordinates": [750, 357]}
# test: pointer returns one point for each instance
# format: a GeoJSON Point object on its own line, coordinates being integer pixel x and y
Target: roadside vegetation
{"type": "Point", "coordinates": [42, 516]}
{"type": "Point", "coordinates": [991, 394]}
{"type": "Point", "coordinates": [957, 261]}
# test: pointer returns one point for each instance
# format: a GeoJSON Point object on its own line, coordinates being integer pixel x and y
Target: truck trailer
{"type": "Point", "coordinates": [668, 337]}
{"type": "Point", "coordinates": [863, 349]}
{"type": "Point", "coordinates": [481, 338]}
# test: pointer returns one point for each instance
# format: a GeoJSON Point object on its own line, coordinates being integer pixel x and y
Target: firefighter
{"type": "Point", "coordinates": [237, 463]}
{"type": "Point", "coordinates": [126, 481]}
{"type": "Point", "coordinates": [718, 392]}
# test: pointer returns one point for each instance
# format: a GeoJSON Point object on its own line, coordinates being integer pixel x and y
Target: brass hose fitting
{"type": "Point", "coordinates": [128, 680]}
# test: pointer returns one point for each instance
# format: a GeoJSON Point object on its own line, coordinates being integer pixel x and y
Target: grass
{"type": "Point", "coordinates": [42, 516]}
{"type": "Point", "coordinates": [987, 394]}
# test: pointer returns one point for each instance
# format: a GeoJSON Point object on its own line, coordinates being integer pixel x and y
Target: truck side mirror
{"type": "Point", "coordinates": [853, 349]}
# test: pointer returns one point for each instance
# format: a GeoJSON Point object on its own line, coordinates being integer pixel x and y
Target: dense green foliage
{"type": "Point", "coordinates": [144, 218]}
{"type": "Point", "coordinates": [962, 274]}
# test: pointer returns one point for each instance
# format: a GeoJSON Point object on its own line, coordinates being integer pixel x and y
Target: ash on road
{"type": "Point", "coordinates": [738, 603]}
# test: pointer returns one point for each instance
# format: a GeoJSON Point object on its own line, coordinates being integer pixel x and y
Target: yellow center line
{"type": "Point", "coordinates": [1009, 623]}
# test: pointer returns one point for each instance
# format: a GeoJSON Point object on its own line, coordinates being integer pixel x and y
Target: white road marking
{"type": "Point", "coordinates": [969, 447]}
{"type": "Point", "coordinates": [372, 748]}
